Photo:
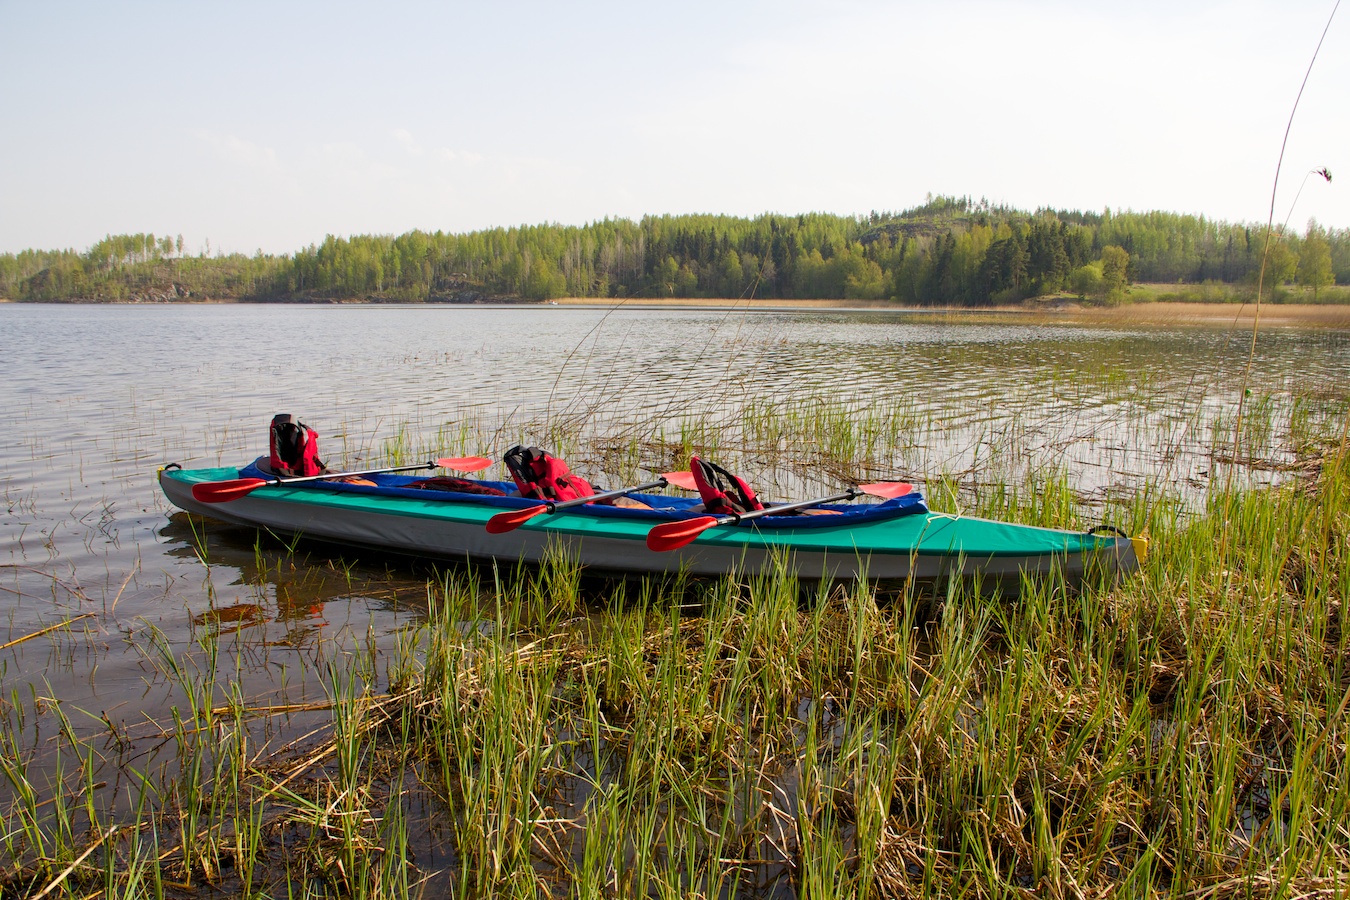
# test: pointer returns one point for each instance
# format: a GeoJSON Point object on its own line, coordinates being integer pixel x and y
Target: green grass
{"type": "Point", "coordinates": [1219, 292]}
{"type": "Point", "coordinates": [1179, 734]}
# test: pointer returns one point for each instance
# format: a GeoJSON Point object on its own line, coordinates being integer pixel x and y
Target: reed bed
{"type": "Point", "coordinates": [543, 734]}
{"type": "Point", "coordinates": [1180, 734]}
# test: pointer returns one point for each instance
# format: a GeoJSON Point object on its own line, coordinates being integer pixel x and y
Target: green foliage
{"type": "Point", "coordinates": [949, 251]}
{"type": "Point", "coordinates": [1314, 261]}
{"type": "Point", "coordinates": [1115, 272]}
{"type": "Point", "coordinates": [138, 267]}
{"type": "Point", "coordinates": [1086, 281]}
{"type": "Point", "coordinates": [1281, 264]}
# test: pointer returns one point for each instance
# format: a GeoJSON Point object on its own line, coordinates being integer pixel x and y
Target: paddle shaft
{"type": "Point", "coordinates": [673, 535]}
{"type": "Point", "coordinates": [737, 518]}
{"type": "Point", "coordinates": [429, 464]}
{"type": "Point", "coordinates": [513, 519]}
{"type": "Point", "coordinates": [555, 505]}
{"type": "Point", "coordinates": [225, 491]}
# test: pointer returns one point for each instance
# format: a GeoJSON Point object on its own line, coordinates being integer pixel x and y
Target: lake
{"type": "Point", "coordinates": [99, 397]}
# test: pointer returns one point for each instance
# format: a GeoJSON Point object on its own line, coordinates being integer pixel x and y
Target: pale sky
{"type": "Point", "coordinates": [271, 124]}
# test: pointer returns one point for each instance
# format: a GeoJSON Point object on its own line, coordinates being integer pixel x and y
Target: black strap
{"type": "Point", "coordinates": [1107, 529]}
{"type": "Point", "coordinates": [520, 462]}
{"type": "Point", "coordinates": [727, 483]}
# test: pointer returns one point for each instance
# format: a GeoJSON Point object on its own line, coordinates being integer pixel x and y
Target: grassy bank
{"type": "Point", "coordinates": [1146, 304]}
{"type": "Point", "coordinates": [542, 734]}
{"type": "Point", "coordinates": [1218, 292]}
{"type": "Point", "coordinates": [1218, 315]}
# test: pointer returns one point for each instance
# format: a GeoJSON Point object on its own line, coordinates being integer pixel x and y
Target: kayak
{"type": "Point", "coordinates": [898, 539]}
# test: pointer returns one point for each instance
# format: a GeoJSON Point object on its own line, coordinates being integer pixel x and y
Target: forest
{"type": "Point", "coordinates": [949, 251]}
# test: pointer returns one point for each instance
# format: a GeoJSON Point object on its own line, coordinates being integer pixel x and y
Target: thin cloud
{"type": "Point", "coordinates": [405, 139]}
{"type": "Point", "coordinates": [460, 157]}
{"type": "Point", "coordinates": [235, 150]}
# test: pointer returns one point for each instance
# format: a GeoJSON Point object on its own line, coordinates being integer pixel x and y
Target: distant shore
{"type": "Point", "coordinates": [1146, 313]}
{"type": "Point", "coordinates": [1275, 315]}
{"type": "Point", "coordinates": [1304, 315]}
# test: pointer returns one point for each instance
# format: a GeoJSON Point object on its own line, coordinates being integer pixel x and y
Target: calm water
{"type": "Point", "coordinates": [98, 397]}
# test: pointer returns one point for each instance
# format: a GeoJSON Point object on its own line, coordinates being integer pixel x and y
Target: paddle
{"type": "Point", "coordinates": [887, 489]}
{"type": "Point", "coordinates": [683, 479]}
{"type": "Point", "coordinates": [223, 491]}
{"type": "Point", "coordinates": [673, 535]}
{"type": "Point", "coordinates": [510, 521]}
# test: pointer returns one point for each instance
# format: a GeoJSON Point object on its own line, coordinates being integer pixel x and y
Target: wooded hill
{"type": "Point", "coordinates": [949, 251]}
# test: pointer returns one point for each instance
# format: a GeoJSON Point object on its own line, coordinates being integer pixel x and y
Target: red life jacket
{"type": "Point", "coordinates": [722, 492]}
{"type": "Point", "coordinates": [544, 477]}
{"type": "Point", "coordinates": [295, 448]}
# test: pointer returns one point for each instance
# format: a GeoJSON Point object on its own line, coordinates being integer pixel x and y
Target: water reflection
{"type": "Point", "coordinates": [257, 579]}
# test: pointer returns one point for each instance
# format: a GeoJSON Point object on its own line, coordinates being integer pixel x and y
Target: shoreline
{"type": "Point", "coordinates": [1159, 313]}
{"type": "Point", "coordinates": [1277, 315]}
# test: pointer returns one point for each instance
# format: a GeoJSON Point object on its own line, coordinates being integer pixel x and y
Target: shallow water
{"type": "Point", "coordinates": [98, 397]}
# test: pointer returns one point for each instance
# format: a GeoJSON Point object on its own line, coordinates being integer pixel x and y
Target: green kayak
{"type": "Point", "coordinates": [894, 540]}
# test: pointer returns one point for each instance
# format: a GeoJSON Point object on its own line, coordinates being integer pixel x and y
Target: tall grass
{"type": "Point", "coordinates": [1181, 733]}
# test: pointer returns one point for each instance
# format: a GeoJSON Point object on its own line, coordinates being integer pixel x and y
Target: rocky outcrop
{"type": "Point", "coordinates": [171, 294]}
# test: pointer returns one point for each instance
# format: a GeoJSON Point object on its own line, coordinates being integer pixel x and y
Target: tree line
{"type": "Point", "coordinates": [948, 251]}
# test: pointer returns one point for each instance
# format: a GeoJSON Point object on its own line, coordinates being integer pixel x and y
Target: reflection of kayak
{"type": "Point", "coordinates": [896, 539]}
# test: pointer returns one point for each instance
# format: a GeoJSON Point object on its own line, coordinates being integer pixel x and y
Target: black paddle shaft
{"type": "Point", "coordinates": [738, 518]}
{"type": "Point", "coordinates": [429, 464]}
{"type": "Point", "coordinates": [555, 505]}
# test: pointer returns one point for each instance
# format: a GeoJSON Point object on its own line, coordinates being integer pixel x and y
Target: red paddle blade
{"type": "Point", "coordinates": [888, 489]}
{"type": "Point", "coordinates": [501, 523]}
{"type": "Point", "coordinates": [681, 480]}
{"type": "Point", "coordinates": [224, 491]}
{"type": "Point", "coordinates": [673, 535]}
{"type": "Point", "coordinates": [464, 463]}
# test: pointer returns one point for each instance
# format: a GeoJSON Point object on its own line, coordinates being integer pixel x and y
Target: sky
{"type": "Point", "coordinates": [268, 125]}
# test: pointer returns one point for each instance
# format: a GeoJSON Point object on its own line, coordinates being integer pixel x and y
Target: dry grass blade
{"type": "Point", "coordinates": [42, 631]}
{"type": "Point", "coordinates": [65, 873]}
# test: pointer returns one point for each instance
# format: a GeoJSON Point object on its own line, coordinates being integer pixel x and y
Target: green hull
{"type": "Point", "coordinates": [925, 546]}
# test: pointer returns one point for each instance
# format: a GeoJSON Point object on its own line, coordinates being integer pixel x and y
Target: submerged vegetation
{"type": "Point", "coordinates": [538, 733]}
{"type": "Point", "coordinates": [949, 251]}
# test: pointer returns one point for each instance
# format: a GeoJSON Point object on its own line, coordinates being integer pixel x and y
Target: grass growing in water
{"type": "Point", "coordinates": [1182, 733]}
